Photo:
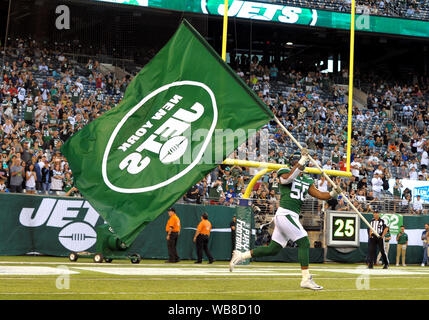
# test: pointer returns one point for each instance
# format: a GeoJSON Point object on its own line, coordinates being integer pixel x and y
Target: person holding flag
{"type": "Point", "coordinates": [294, 186]}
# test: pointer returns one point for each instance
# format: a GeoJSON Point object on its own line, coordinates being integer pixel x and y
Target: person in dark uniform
{"type": "Point", "coordinates": [172, 228]}
{"type": "Point", "coordinates": [232, 225]}
{"type": "Point", "coordinates": [201, 238]}
{"type": "Point", "coordinates": [380, 226]}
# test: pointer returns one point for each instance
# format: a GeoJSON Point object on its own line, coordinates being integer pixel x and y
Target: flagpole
{"type": "Point", "coordinates": [325, 175]}
{"type": "Point", "coordinates": [225, 30]}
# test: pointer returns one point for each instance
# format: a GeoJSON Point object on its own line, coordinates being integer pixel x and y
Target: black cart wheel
{"type": "Point", "coordinates": [98, 258]}
{"type": "Point", "coordinates": [136, 258]}
{"type": "Point", "coordinates": [73, 256]}
{"type": "Point", "coordinates": [108, 260]}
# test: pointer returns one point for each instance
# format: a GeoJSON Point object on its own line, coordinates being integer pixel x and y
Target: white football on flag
{"type": "Point", "coordinates": [77, 236]}
{"type": "Point", "coordinates": [173, 149]}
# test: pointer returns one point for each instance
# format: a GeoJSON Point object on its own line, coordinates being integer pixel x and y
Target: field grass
{"type": "Point", "coordinates": [46, 278]}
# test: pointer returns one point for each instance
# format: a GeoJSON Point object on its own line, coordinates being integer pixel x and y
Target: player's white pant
{"type": "Point", "coordinates": [287, 227]}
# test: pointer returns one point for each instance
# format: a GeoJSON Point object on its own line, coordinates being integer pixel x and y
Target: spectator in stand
{"type": "Point", "coordinates": [343, 164]}
{"type": "Point", "coordinates": [406, 204]}
{"type": "Point", "coordinates": [69, 187]}
{"type": "Point", "coordinates": [355, 167]}
{"type": "Point", "coordinates": [377, 186]}
{"type": "Point", "coordinates": [3, 187]}
{"type": "Point", "coordinates": [193, 194]}
{"type": "Point", "coordinates": [30, 180]}
{"type": "Point", "coordinates": [424, 162]}
{"type": "Point", "coordinates": [17, 172]}
{"type": "Point", "coordinates": [413, 173]}
{"type": "Point", "coordinates": [418, 205]}
{"type": "Point", "coordinates": [322, 185]}
{"type": "Point", "coordinates": [397, 193]}
{"type": "Point", "coordinates": [47, 174]}
{"type": "Point", "coordinates": [57, 181]}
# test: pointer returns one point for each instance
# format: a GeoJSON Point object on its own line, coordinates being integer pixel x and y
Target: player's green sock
{"type": "Point", "coordinates": [272, 249]}
{"type": "Point", "coordinates": [303, 251]}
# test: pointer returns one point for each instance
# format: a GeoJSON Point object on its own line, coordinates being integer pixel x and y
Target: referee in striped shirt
{"type": "Point", "coordinates": [380, 226]}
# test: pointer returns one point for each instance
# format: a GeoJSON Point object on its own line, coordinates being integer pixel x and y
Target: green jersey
{"type": "Point", "coordinates": [75, 96]}
{"type": "Point", "coordinates": [387, 235]}
{"type": "Point", "coordinates": [68, 185]}
{"type": "Point", "coordinates": [403, 238]}
{"type": "Point", "coordinates": [229, 184]}
{"type": "Point", "coordinates": [397, 191]}
{"type": "Point", "coordinates": [281, 160]}
{"type": "Point", "coordinates": [29, 140]}
{"type": "Point", "coordinates": [28, 113]}
{"type": "Point", "coordinates": [293, 194]}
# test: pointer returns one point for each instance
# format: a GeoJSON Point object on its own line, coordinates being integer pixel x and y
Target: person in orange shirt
{"type": "Point", "coordinates": [201, 238]}
{"type": "Point", "coordinates": [343, 164]}
{"type": "Point", "coordinates": [173, 229]}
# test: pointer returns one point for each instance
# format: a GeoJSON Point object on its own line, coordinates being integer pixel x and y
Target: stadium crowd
{"type": "Point", "coordinates": [45, 98]}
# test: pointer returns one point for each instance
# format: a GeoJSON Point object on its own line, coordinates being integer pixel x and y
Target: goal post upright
{"type": "Point", "coordinates": [350, 102]}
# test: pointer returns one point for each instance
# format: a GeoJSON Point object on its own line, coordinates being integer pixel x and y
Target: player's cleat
{"type": "Point", "coordinates": [236, 258]}
{"type": "Point", "coordinates": [386, 266]}
{"type": "Point", "coordinates": [310, 284]}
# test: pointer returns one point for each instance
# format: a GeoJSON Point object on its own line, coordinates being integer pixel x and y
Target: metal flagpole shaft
{"type": "Point", "coordinates": [325, 175]}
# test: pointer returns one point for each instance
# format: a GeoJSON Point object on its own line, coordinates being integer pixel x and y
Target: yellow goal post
{"type": "Point", "coordinates": [268, 167]}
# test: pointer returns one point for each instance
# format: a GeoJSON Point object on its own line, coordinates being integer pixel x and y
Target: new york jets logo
{"type": "Point", "coordinates": [153, 136]}
{"type": "Point", "coordinates": [261, 11]}
{"type": "Point", "coordinates": [75, 218]}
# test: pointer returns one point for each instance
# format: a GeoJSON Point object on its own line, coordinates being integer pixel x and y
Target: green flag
{"type": "Point", "coordinates": [179, 118]}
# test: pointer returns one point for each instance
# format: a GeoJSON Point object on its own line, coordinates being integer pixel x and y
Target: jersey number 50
{"type": "Point", "coordinates": [298, 191]}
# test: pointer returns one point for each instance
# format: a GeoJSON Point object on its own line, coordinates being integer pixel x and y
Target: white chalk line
{"type": "Point", "coordinates": [205, 292]}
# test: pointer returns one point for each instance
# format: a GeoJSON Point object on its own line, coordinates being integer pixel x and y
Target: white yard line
{"type": "Point", "coordinates": [191, 270]}
{"type": "Point", "coordinates": [205, 292]}
{"type": "Point", "coordinates": [314, 267]}
{"type": "Point", "coordinates": [34, 271]}
{"type": "Point", "coordinates": [214, 278]}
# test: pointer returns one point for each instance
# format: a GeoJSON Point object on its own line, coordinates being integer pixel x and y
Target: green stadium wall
{"type": "Point", "coordinates": [414, 226]}
{"type": "Point", "coordinates": [44, 225]}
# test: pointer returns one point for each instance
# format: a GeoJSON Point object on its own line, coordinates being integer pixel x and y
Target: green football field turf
{"type": "Point", "coordinates": [35, 277]}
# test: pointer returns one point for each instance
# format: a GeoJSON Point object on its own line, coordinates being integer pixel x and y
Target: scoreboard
{"type": "Point", "coordinates": [342, 229]}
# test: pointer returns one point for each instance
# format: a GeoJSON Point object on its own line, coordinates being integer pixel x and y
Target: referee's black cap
{"type": "Point", "coordinates": [171, 209]}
